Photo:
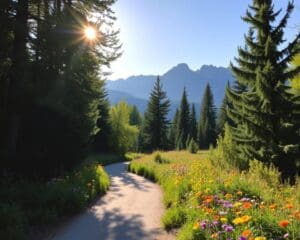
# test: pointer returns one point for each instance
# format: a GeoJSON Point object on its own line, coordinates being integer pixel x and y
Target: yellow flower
{"type": "Point", "coordinates": [260, 238]}
{"type": "Point", "coordinates": [228, 196]}
{"type": "Point", "coordinates": [224, 220]}
{"type": "Point", "coordinates": [237, 204]}
{"type": "Point", "coordinates": [196, 226]}
{"type": "Point", "coordinates": [239, 193]}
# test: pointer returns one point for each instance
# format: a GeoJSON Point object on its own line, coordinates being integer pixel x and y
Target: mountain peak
{"type": "Point", "coordinates": [180, 67]}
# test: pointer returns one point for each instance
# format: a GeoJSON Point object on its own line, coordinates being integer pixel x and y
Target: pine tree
{"type": "Point", "coordinates": [207, 123]}
{"type": "Point", "coordinates": [193, 124]}
{"type": "Point", "coordinates": [183, 125]}
{"type": "Point", "coordinates": [172, 130]}
{"type": "Point", "coordinates": [223, 118]}
{"type": "Point", "coordinates": [265, 113]}
{"type": "Point", "coordinates": [155, 120]}
{"type": "Point", "coordinates": [135, 117]}
{"type": "Point", "coordinates": [101, 141]}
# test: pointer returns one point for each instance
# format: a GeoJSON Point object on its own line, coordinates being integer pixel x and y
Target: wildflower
{"type": "Point", "coordinates": [196, 226]}
{"type": "Point", "coordinates": [273, 206]}
{"type": "Point", "coordinates": [224, 220]}
{"type": "Point", "coordinates": [284, 223]}
{"type": "Point", "coordinates": [227, 228]}
{"type": "Point", "coordinates": [228, 196]}
{"type": "Point", "coordinates": [286, 235]}
{"type": "Point", "coordinates": [246, 233]}
{"type": "Point", "coordinates": [288, 206]}
{"type": "Point", "coordinates": [222, 213]}
{"type": "Point", "coordinates": [297, 215]}
{"type": "Point", "coordinates": [239, 193]}
{"type": "Point", "coordinates": [246, 218]}
{"type": "Point", "coordinates": [247, 205]}
{"type": "Point", "coordinates": [260, 238]}
{"type": "Point", "coordinates": [242, 238]}
{"type": "Point", "coordinates": [203, 225]}
{"type": "Point", "coordinates": [214, 235]}
{"type": "Point", "coordinates": [227, 204]}
{"type": "Point", "coordinates": [241, 220]}
{"type": "Point", "coordinates": [237, 204]}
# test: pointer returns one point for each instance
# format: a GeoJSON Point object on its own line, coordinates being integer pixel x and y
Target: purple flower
{"type": "Point", "coordinates": [203, 224]}
{"type": "Point", "coordinates": [227, 204]}
{"type": "Point", "coordinates": [242, 238]}
{"type": "Point", "coordinates": [227, 228]}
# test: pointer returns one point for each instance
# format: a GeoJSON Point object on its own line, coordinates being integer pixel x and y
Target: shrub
{"type": "Point", "coordinates": [192, 146]}
{"type": "Point", "coordinates": [11, 222]}
{"type": "Point", "coordinates": [158, 159]}
{"type": "Point", "coordinates": [263, 172]}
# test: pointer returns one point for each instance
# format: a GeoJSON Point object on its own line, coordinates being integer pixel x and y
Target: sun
{"type": "Point", "coordinates": [90, 33]}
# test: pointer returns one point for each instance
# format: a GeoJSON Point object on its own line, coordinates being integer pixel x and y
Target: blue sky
{"type": "Point", "coordinates": [158, 34]}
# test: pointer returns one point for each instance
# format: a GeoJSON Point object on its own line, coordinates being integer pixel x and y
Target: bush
{"type": "Point", "coordinates": [37, 204]}
{"type": "Point", "coordinates": [11, 222]}
{"type": "Point", "coordinates": [159, 159]}
{"type": "Point", "coordinates": [192, 146]}
{"type": "Point", "coordinates": [263, 172]}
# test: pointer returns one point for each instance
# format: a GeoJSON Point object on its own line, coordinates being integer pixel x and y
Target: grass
{"type": "Point", "coordinates": [212, 201]}
{"type": "Point", "coordinates": [27, 205]}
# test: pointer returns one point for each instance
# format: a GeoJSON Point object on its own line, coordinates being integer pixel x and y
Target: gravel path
{"type": "Point", "coordinates": [131, 210]}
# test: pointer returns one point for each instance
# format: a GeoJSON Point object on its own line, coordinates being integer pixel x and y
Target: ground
{"type": "Point", "coordinates": [131, 210]}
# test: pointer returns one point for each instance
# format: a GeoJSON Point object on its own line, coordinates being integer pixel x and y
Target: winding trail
{"type": "Point", "coordinates": [131, 210]}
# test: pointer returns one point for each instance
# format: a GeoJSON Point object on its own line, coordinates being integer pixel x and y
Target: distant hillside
{"type": "Point", "coordinates": [136, 89]}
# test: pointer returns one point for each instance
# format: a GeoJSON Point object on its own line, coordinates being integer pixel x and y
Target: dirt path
{"type": "Point", "coordinates": [131, 210]}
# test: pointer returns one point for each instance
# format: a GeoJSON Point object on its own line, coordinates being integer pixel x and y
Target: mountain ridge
{"type": "Point", "coordinates": [173, 81]}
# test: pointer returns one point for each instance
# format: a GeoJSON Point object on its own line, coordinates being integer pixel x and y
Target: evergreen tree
{"type": "Point", "coordinates": [102, 138]}
{"type": "Point", "coordinates": [173, 130]}
{"type": "Point", "coordinates": [223, 118]}
{"type": "Point", "coordinates": [193, 124]}
{"type": "Point", "coordinates": [50, 81]}
{"type": "Point", "coordinates": [265, 113]}
{"type": "Point", "coordinates": [155, 120]}
{"type": "Point", "coordinates": [135, 117]}
{"type": "Point", "coordinates": [183, 125]}
{"type": "Point", "coordinates": [207, 123]}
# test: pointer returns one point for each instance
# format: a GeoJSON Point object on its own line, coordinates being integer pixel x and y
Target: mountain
{"type": "Point", "coordinates": [136, 89]}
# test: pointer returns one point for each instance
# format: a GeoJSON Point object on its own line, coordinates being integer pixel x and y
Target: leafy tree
{"type": "Point", "coordinates": [183, 125]}
{"type": "Point", "coordinates": [207, 123]}
{"type": "Point", "coordinates": [155, 120]}
{"type": "Point", "coordinates": [124, 135]}
{"type": "Point", "coordinates": [265, 113]}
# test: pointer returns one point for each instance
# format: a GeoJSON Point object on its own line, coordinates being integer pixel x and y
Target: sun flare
{"type": "Point", "coordinates": [90, 33]}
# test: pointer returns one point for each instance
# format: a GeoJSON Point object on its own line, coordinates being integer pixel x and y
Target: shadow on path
{"type": "Point", "coordinates": [131, 210]}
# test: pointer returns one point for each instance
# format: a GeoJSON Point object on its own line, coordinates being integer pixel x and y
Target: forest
{"type": "Point", "coordinates": [58, 127]}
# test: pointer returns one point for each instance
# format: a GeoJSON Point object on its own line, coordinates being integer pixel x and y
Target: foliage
{"type": "Point", "coordinates": [26, 204]}
{"type": "Point", "coordinates": [193, 124]}
{"type": "Point", "coordinates": [123, 136]}
{"type": "Point", "coordinates": [207, 122]}
{"type": "Point", "coordinates": [264, 111]}
{"type": "Point", "coordinates": [183, 124]}
{"type": "Point", "coordinates": [192, 146]}
{"type": "Point", "coordinates": [209, 201]}
{"type": "Point", "coordinates": [296, 79]}
{"type": "Point", "coordinates": [226, 152]}
{"type": "Point", "coordinates": [51, 82]}
{"type": "Point", "coordinates": [155, 126]}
